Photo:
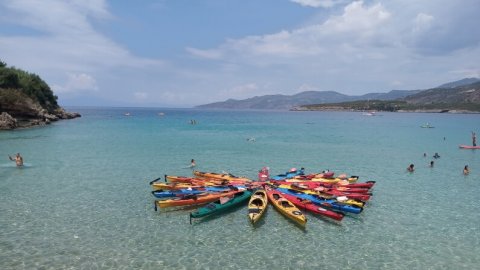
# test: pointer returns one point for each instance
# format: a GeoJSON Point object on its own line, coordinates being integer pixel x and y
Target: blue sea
{"type": "Point", "coordinates": [83, 199]}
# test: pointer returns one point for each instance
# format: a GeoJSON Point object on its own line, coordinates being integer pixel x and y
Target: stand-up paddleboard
{"type": "Point", "coordinates": [462, 146]}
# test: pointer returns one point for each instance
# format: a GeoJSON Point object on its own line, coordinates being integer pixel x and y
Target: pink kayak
{"type": "Point", "coordinates": [462, 146]}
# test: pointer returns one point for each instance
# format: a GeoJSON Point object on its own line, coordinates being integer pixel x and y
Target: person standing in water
{"type": "Point", "coordinates": [192, 163]}
{"type": "Point", "coordinates": [466, 171]}
{"type": "Point", "coordinates": [18, 159]}
{"type": "Point", "coordinates": [474, 138]}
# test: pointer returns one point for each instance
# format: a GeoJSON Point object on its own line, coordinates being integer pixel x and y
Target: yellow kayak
{"type": "Point", "coordinates": [257, 205]}
{"type": "Point", "coordinates": [285, 207]}
{"type": "Point", "coordinates": [340, 199]}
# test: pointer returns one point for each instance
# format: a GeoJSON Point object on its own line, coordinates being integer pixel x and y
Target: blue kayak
{"type": "Point", "coordinates": [329, 203]}
{"type": "Point", "coordinates": [288, 175]}
{"type": "Point", "coordinates": [183, 192]}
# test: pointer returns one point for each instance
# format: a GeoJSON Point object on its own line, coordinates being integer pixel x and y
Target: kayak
{"type": "Point", "coordinates": [192, 191]}
{"type": "Point", "coordinates": [314, 185]}
{"type": "Point", "coordinates": [329, 193]}
{"type": "Point", "coordinates": [344, 183]}
{"type": "Point", "coordinates": [193, 199]}
{"type": "Point", "coordinates": [320, 178]}
{"type": "Point", "coordinates": [462, 146]}
{"type": "Point", "coordinates": [183, 179]}
{"type": "Point", "coordinates": [176, 193]}
{"type": "Point", "coordinates": [309, 206]}
{"type": "Point", "coordinates": [257, 205]}
{"type": "Point", "coordinates": [202, 181]}
{"type": "Point", "coordinates": [290, 174]}
{"type": "Point", "coordinates": [328, 203]}
{"type": "Point", "coordinates": [222, 204]}
{"type": "Point", "coordinates": [218, 176]}
{"type": "Point", "coordinates": [332, 180]}
{"type": "Point", "coordinates": [285, 207]}
{"type": "Point", "coordinates": [340, 199]}
{"type": "Point", "coordinates": [173, 186]}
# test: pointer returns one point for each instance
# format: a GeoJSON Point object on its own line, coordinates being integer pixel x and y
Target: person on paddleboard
{"type": "Point", "coordinates": [18, 159]}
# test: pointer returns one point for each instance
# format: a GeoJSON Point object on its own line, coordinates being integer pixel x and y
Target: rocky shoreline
{"type": "Point", "coordinates": [13, 120]}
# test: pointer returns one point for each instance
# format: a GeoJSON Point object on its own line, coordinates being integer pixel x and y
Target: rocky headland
{"type": "Point", "coordinates": [27, 101]}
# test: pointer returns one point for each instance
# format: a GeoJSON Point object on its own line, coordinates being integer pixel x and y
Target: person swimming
{"type": "Point", "coordinates": [411, 168]}
{"type": "Point", "coordinates": [431, 163]}
{"type": "Point", "coordinates": [466, 171]}
{"type": "Point", "coordinates": [18, 159]}
{"type": "Point", "coordinates": [436, 155]}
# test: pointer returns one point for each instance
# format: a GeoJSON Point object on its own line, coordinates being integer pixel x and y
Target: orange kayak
{"type": "Point", "coordinates": [218, 176]}
{"type": "Point", "coordinates": [194, 199]}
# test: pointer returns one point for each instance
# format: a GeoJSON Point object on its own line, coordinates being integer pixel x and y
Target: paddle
{"type": "Point", "coordinates": [153, 181]}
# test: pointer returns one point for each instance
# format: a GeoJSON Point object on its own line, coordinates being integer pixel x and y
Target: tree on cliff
{"type": "Point", "coordinates": [31, 85]}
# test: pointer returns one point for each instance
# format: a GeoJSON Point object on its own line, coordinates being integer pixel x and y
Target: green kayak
{"type": "Point", "coordinates": [222, 204]}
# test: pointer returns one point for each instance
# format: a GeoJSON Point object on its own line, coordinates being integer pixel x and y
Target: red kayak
{"type": "Point", "coordinates": [314, 185]}
{"type": "Point", "coordinates": [368, 184]}
{"type": "Point", "coordinates": [329, 193]}
{"type": "Point", "coordinates": [335, 193]}
{"type": "Point", "coordinates": [308, 205]}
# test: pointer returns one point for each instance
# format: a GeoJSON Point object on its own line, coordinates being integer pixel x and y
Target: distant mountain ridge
{"type": "Point", "coordinates": [286, 102]}
{"type": "Point", "coordinates": [459, 83]}
{"type": "Point", "coordinates": [448, 93]}
{"type": "Point", "coordinates": [458, 99]}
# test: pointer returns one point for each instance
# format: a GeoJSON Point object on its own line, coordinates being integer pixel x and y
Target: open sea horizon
{"type": "Point", "coordinates": [83, 200]}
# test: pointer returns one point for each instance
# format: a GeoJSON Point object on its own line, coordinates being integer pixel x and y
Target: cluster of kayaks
{"type": "Point", "coordinates": [292, 194]}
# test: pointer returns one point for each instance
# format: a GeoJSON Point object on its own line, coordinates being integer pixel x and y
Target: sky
{"type": "Point", "coordinates": [183, 53]}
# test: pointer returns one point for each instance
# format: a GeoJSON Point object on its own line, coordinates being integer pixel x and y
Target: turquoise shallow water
{"type": "Point", "coordinates": [83, 200]}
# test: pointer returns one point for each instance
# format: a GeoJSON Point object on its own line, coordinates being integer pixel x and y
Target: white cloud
{"type": "Point", "coordinates": [318, 3]}
{"type": "Point", "coordinates": [422, 23]}
{"type": "Point", "coordinates": [357, 19]}
{"type": "Point", "coordinates": [209, 54]}
{"type": "Point", "coordinates": [66, 39]}
{"type": "Point", "coordinates": [77, 83]}
{"type": "Point", "coordinates": [358, 24]}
